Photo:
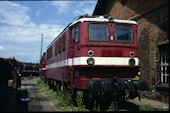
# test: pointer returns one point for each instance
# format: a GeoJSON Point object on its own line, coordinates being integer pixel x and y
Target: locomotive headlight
{"type": "Point", "coordinates": [131, 62]}
{"type": "Point", "coordinates": [132, 54]}
{"type": "Point", "coordinates": [90, 53]}
{"type": "Point", "coordinates": [90, 61]}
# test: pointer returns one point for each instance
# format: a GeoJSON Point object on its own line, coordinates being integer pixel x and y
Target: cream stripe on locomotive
{"type": "Point", "coordinates": [98, 61]}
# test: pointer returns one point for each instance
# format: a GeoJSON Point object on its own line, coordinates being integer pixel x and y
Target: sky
{"type": "Point", "coordinates": [23, 22]}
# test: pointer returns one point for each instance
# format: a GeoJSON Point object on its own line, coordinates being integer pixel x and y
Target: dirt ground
{"type": "Point", "coordinates": [156, 105]}
{"type": "Point", "coordinates": [31, 99]}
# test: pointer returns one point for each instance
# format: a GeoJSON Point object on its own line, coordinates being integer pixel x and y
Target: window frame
{"type": "Point", "coordinates": [56, 47]}
{"type": "Point", "coordinates": [49, 52]}
{"type": "Point", "coordinates": [72, 35]}
{"type": "Point", "coordinates": [63, 41]}
{"type": "Point", "coordinates": [59, 45]}
{"type": "Point", "coordinates": [78, 34]}
{"type": "Point", "coordinates": [99, 40]}
{"type": "Point", "coordinates": [53, 50]}
{"type": "Point", "coordinates": [115, 38]}
{"type": "Point", "coordinates": [164, 64]}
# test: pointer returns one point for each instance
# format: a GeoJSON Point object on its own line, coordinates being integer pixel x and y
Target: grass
{"type": "Point", "coordinates": [61, 99]}
{"type": "Point", "coordinates": [145, 108]}
{"type": "Point", "coordinates": [111, 108]}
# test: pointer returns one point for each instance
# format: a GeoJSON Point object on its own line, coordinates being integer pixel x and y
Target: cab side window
{"type": "Point", "coordinates": [72, 36]}
{"type": "Point", "coordinates": [77, 34]}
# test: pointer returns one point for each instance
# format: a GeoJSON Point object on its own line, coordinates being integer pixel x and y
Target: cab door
{"type": "Point", "coordinates": [74, 40]}
{"type": "Point", "coordinates": [71, 55]}
{"type": "Point", "coordinates": [70, 61]}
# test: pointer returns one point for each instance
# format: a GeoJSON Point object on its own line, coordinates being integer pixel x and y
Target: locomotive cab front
{"type": "Point", "coordinates": [104, 49]}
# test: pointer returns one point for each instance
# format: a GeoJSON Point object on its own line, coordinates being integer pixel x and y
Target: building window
{"type": "Point", "coordinates": [164, 64]}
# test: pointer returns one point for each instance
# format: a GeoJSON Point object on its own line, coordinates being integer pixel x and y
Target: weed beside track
{"type": "Point", "coordinates": [61, 99]}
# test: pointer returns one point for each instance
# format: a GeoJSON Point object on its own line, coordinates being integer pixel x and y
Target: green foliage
{"type": "Point", "coordinates": [98, 107]}
{"type": "Point", "coordinates": [61, 99]}
{"type": "Point", "coordinates": [28, 79]}
{"type": "Point", "coordinates": [79, 98]}
{"type": "Point", "coordinates": [79, 101]}
{"type": "Point", "coordinates": [145, 108]}
{"type": "Point", "coordinates": [111, 107]}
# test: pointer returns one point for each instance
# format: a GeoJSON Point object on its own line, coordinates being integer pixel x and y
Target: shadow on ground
{"type": "Point", "coordinates": [22, 102]}
{"type": "Point", "coordinates": [128, 106]}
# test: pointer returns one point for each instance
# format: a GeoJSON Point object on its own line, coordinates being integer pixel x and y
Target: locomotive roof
{"type": "Point", "coordinates": [97, 19]}
{"type": "Point", "coordinates": [103, 19]}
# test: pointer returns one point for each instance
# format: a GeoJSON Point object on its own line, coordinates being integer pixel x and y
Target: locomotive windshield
{"type": "Point", "coordinates": [123, 33]}
{"type": "Point", "coordinates": [98, 32]}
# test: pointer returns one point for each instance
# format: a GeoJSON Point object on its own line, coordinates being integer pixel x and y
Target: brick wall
{"type": "Point", "coordinates": [124, 9]}
{"type": "Point", "coordinates": [152, 32]}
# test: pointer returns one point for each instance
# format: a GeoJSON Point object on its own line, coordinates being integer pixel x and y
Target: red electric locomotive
{"type": "Point", "coordinates": [29, 70]}
{"type": "Point", "coordinates": [96, 54]}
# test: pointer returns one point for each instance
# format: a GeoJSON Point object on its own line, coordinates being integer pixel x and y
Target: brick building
{"type": "Point", "coordinates": [152, 17]}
